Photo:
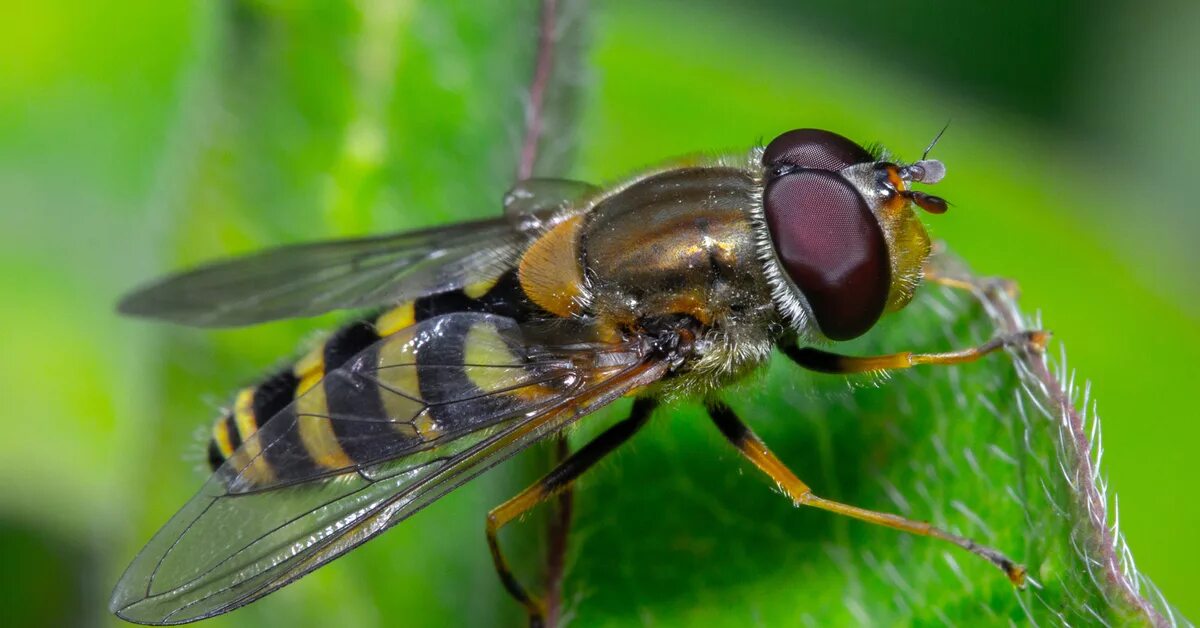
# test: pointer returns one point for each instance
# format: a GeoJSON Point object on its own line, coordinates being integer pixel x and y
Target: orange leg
{"type": "Point", "coordinates": [751, 446]}
{"type": "Point", "coordinates": [827, 362]}
{"type": "Point", "coordinates": [986, 284]}
{"type": "Point", "coordinates": [554, 483]}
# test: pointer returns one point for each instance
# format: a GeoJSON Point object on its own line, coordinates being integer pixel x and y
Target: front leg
{"type": "Point", "coordinates": [837, 364]}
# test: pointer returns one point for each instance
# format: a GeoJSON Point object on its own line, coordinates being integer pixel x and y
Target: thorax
{"type": "Point", "coordinates": [680, 244]}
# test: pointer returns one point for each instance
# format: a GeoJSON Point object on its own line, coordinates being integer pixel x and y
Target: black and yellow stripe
{"type": "Point", "coordinates": [328, 446]}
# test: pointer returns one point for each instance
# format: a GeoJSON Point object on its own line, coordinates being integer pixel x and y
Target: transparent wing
{"type": "Point", "coordinates": [310, 279]}
{"type": "Point", "coordinates": [528, 203]}
{"type": "Point", "coordinates": [458, 393]}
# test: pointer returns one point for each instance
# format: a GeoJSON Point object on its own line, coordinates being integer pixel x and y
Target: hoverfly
{"type": "Point", "coordinates": [501, 332]}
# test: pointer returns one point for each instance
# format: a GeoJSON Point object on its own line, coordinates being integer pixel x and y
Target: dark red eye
{"type": "Point", "coordinates": [831, 247]}
{"type": "Point", "coordinates": [814, 148]}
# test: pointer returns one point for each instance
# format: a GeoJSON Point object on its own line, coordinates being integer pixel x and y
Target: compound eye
{"type": "Point", "coordinates": [814, 148]}
{"type": "Point", "coordinates": [830, 245]}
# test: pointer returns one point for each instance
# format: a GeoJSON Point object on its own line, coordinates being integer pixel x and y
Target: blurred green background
{"type": "Point", "coordinates": [1070, 155]}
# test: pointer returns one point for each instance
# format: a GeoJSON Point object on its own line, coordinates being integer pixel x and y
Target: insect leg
{"type": "Point", "coordinates": [756, 451]}
{"type": "Point", "coordinates": [972, 285]}
{"type": "Point", "coordinates": [827, 362]}
{"type": "Point", "coordinates": [552, 484]}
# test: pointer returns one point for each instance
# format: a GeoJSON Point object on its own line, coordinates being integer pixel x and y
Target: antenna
{"type": "Point", "coordinates": [935, 141]}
